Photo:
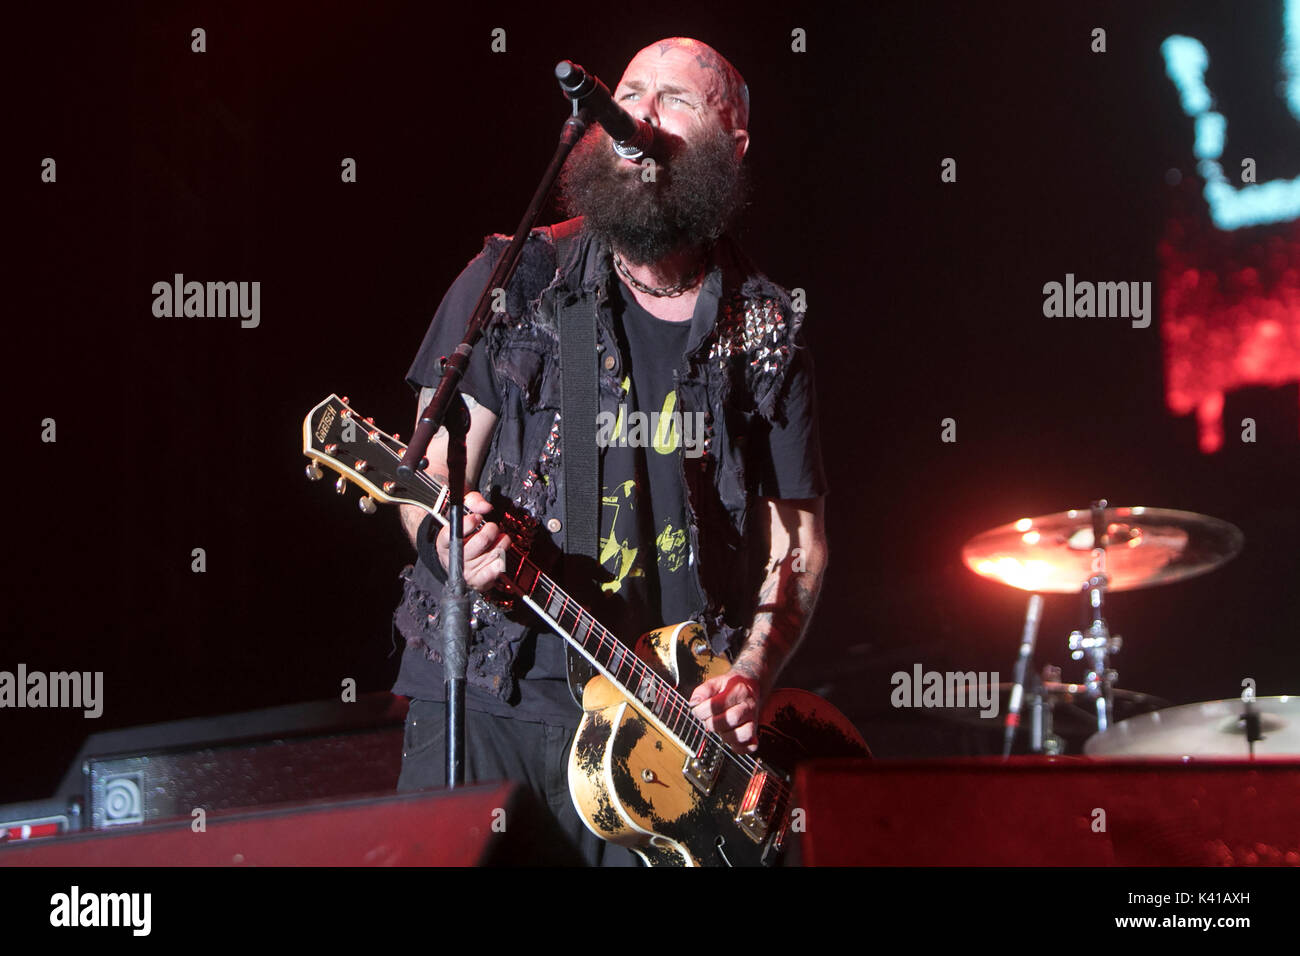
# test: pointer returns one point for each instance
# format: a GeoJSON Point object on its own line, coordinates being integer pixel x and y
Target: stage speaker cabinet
{"type": "Point", "coordinates": [490, 825]}
{"type": "Point", "coordinates": [127, 789]}
{"type": "Point", "coordinates": [1067, 811]}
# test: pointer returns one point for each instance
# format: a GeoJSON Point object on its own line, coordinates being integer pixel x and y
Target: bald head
{"type": "Point", "coordinates": [724, 87]}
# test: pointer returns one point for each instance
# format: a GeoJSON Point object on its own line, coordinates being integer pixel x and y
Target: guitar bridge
{"type": "Point", "coordinates": [759, 804]}
{"type": "Point", "coordinates": [702, 770]}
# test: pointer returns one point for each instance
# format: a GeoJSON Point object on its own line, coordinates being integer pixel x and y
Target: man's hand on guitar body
{"type": "Point", "coordinates": [729, 706]}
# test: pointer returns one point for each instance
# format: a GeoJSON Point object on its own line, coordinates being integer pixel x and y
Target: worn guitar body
{"type": "Point", "coordinates": [634, 784]}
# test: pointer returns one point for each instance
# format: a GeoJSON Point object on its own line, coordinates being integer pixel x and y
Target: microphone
{"type": "Point", "coordinates": [632, 137]}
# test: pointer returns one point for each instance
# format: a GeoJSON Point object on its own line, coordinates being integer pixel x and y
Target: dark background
{"type": "Point", "coordinates": [925, 302]}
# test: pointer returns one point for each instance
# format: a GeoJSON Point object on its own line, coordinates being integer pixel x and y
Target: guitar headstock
{"type": "Point", "coordinates": [335, 436]}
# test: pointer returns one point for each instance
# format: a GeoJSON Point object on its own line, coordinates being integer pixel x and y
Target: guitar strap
{"type": "Point", "coordinates": [579, 404]}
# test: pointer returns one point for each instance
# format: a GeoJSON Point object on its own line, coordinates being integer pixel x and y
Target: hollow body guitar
{"type": "Point", "coordinates": [643, 771]}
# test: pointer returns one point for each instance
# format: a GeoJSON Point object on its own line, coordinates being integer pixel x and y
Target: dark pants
{"type": "Point", "coordinates": [500, 748]}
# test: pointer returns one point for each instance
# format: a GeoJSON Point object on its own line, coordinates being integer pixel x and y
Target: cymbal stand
{"type": "Point", "coordinates": [1097, 643]}
{"type": "Point", "coordinates": [1043, 738]}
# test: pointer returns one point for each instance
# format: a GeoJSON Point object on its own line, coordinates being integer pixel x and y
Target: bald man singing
{"type": "Point", "coordinates": [712, 512]}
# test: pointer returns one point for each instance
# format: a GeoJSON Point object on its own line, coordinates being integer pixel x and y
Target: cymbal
{"type": "Point", "coordinates": [1052, 554]}
{"type": "Point", "coordinates": [1078, 693]}
{"type": "Point", "coordinates": [1211, 729]}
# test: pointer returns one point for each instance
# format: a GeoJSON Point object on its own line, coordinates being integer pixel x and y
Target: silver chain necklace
{"type": "Point", "coordinates": [659, 292]}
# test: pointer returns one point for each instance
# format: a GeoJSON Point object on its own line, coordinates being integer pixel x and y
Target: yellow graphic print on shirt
{"type": "Point", "coordinates": [622, 531]}
{"type": "Point", "coordinates": [619, 504]}
{"type": "Point", "coordinates": [672, 548]}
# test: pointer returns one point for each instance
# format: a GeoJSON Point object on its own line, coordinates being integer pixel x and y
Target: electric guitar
{"type": "Point", "coordinates": [643, 772]}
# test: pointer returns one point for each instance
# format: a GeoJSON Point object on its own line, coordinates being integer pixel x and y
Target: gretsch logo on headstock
{"type": "Point", "coordinates": [326, 421]}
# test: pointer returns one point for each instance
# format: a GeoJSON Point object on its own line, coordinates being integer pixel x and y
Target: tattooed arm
{"type": "Point", "coordinates": [789, 592]}
{"type": "Point", "coordinates": [730, 704]}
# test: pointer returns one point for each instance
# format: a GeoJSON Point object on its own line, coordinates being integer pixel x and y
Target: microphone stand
{"type": "Point", "coordinates": [456, 594]}
{"type": "Point", "coordinates": [1027, 639]}
{"type": "Point", "coordinates": [448, 407]}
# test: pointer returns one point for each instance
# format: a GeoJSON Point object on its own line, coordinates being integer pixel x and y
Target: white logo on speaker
{"type": "Point", "coordinates": [122, 801]}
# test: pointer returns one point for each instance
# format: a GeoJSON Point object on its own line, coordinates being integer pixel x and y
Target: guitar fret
{"type": "Point", "coordinates": [573, 610]}
{"type": "Point", "coordinates": [585, 640]}
{"type": "Point", "coordinates": [661, 700]}
{"type": "Point", "coordinates": [555, 606]}
{"type": "Point", "coordinates": [522, 580]}
{"type": "Point", "coordinates": [673, 717]}
{"type": "Point", "coordinates": [518, 557]}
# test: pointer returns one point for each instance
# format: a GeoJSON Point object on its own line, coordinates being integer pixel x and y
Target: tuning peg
{"type": "Point", "coordinates": [341, 485]}
{"type": "Point", "coordinates": [313, 472]}
{"type": "Point", "coordinates": [367, 505]}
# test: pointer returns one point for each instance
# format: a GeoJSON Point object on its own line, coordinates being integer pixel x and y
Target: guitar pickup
{"type": "Point", "coordinates": [759, 804]}
{"type": "Point", "coordinates": [702, 770]}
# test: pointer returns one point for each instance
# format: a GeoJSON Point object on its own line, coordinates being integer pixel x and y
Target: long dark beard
{"type": "Point", "coordinates": [696, 196]}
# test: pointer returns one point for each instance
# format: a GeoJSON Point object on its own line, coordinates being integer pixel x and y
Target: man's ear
{"type": "Point", "coordinates": [741, 136]}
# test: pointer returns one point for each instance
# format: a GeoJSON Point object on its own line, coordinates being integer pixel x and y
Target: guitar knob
{"type": "Point", "coordinates": [341, 485]}
{"type": "Point", "coordinates": [367, 505]}
{"type": "Point", "coordinates": [313, 472]}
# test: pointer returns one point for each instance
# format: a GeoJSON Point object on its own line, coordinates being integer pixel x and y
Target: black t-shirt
{"type": "Point", "coordinates": [644, 545]}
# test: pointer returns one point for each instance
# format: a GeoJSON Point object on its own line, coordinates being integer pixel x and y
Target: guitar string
{"type": "Point", "coordinates": [678, 702]}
